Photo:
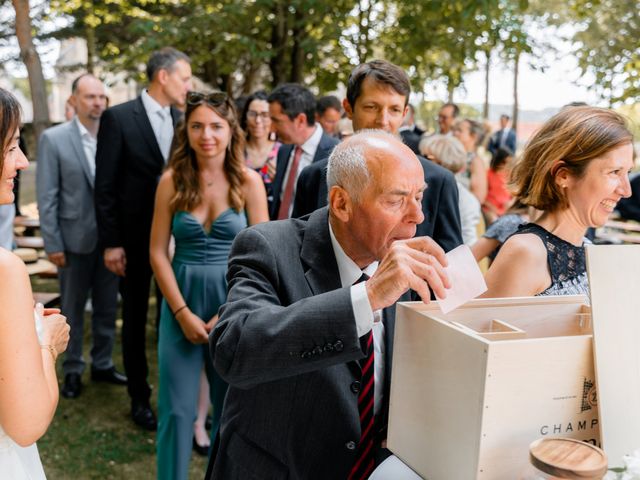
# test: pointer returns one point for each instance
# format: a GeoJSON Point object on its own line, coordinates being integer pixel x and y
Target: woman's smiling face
{"type": "Point", "coordinates": [12, 160]}
{"type": "Point", "coordinates": [593, 197]}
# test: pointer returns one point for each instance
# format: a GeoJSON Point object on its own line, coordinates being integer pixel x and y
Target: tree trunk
{"type": "Point", "coordinates": [251, 75]}
{"type": "Point", "coordinates": [487, 68]}
{"type": "Point", "coordinates": [278, 44]}
{"type": "Point", "coordinates": [31, 60]}
{"type": "Point", "coordinates": [514, 116]}
{"type": "Point", "coordinates": [91, 49]}
{"type": "Point", "coordinates": [297, 52]}
{"type": "Point", "coordinates": [364, 29]}
{"type": "Point", "coordinates": [450, 88]}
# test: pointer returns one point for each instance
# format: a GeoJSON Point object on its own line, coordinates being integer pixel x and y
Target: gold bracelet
{"type": "Point", "coordinates": [52, 350]}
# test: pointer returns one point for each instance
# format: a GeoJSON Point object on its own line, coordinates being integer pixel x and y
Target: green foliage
{"type": "Point", "coordinates": [442, 40]}
{"type": "Point", "coordinates": [241, 45]}
{"type": "Point", "coordinates": [229, 41]}
{"type": "Point", "coordinates": [606, 44]}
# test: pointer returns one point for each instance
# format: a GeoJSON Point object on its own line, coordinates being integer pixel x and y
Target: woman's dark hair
{"type": "Point", "coordinates": [184, 165]}
{"type": "Point", "coordinates": [259, 95]}
{"type": "Point", "coordinates": [499, 159]}
{"type": "Point", "coordinates": [9, 120]}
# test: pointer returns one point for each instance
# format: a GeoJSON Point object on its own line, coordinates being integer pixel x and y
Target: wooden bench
{"type": "Point", "coordinates": [29, 242]}
{"type": "Point", "coordinates": [48, 299]}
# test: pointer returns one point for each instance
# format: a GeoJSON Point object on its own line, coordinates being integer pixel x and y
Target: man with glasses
{"type": "Point", "coordinates": [134, 143]}
{"type": "Point", "coordinates": [447, 117]}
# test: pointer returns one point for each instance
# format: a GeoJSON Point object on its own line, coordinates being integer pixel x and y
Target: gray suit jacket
{"type": "Point", "coordinates": [287, 345]}
{"type": "Point", "coordinates": [65, 192]}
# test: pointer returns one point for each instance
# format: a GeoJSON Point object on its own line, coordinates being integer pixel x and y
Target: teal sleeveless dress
{"type": "Point", "coordinates": [200, 267]}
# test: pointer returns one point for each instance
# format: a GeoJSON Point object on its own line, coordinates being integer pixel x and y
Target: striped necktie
{"type": "Point", "coordinates": [365, 461]}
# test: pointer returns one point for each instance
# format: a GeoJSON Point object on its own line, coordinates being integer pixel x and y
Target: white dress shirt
{"type": "Point", "coordinates": [308, 152]}
{"type": "Point", "coordinates": [89, 144]}
{"type": "Point", "coordinates": [366, 318]}
{"type": "Point", "coordinates": [161, 122]}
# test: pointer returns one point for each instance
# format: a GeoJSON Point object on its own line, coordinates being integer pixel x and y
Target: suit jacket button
{"type": "Point", "coordinates": [355, 387]}
{"type": "Point", "coordinates": [350, 445]}
{"type": "Point", "coordinates": [317, 350]}
{"type": "Point", "coordinates": [339, 346]}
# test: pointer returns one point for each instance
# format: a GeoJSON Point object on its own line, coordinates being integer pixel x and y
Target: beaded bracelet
{"type": "Point", "coordinates": [182, 307]}
{"type": "Point", "coordinates": [52, 350]}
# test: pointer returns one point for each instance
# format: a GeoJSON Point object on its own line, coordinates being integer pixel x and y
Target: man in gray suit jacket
{"type": "Point", "coordinates": [65, 178]}
{"type": "Point", "coordinates": [300, 315]}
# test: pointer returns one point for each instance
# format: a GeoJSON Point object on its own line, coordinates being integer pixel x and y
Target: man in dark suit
{"type": "Point", "coordinates": [505, 137]}
{"type": "Point", "coordinates": [293, 108]}
{"type": "Point", "coordinates": [300, 315]}
{"type": "Point", "coordinates": [133, 147]}
{"type": "Point", "coordinates": [328, 114]}
{"type": "Point", "coordinates": [409, 131]}
{"type": "Point", "coordinates": [65, 179]}
{"type": "Point", "coordinates": [377, 96]}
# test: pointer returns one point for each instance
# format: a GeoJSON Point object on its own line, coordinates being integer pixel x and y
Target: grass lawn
{"type": "Point", "coordinates": [93, 436]}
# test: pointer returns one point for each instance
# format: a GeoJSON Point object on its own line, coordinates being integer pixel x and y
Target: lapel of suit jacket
{"type": "Point", "coordinates": [319, 259]}
{"type": "Point", "coordinates": [142, 120]}
{"type": "Point", "coordinates": [324, 148]}
{"type": "Point", "coordinates": [78, 148]}
{"type": "Point", "coordinates": [316, 253]}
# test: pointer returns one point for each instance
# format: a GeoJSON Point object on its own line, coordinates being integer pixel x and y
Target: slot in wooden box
{"type": "Point", "coordinates": [473, 388]}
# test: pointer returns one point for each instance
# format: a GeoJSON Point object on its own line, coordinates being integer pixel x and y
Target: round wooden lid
{"type": "Point", "coordinates": [568, 458]}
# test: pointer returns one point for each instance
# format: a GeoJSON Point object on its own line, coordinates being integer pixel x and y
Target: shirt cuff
{"type": "Point", "coordinates": [361, 308]}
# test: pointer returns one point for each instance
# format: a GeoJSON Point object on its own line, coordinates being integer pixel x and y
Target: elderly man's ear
{"type": "Point", "coordinates": [340, 203]}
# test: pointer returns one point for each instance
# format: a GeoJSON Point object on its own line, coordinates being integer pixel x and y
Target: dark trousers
{"type": "Point", "coordinates": [84, 272]}
{"type": "Point", "coordinates": [134, 288]}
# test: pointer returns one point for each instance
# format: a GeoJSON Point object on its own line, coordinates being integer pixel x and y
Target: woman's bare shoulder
{"type": "Point", "coordinates": [10, 263]}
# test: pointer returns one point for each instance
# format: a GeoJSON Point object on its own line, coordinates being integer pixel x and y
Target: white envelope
{"type": "Point", "coordinates": [465, 276]}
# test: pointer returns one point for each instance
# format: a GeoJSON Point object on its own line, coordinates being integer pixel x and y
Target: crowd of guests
{"type": "Point", "coordinates": [285, 328]}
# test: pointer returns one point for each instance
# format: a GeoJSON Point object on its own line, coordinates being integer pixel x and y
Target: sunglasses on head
{"type": "Point", "coordinates": [216, 98]}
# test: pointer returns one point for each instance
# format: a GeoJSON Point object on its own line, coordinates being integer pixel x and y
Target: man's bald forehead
{"type": "Point", "coordinates": [371, 140]}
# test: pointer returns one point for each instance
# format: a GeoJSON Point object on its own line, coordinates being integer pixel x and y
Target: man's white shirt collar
{"type": "Point", "coordinates": [311, 145]}
{"type": "Point", "coordinates": [83, 130]}
{"type": "Point", "coordinates": [151, 105]}
{"type": "Point", "coordinates": [350, 273]}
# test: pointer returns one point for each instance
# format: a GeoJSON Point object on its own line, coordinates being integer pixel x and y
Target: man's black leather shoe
{"type": "Point", "coordinates": [72, 385]}
{"type": "Point", "coordinates": [143, 416]}
{"type": "Point", "coordinates": [110, 375]}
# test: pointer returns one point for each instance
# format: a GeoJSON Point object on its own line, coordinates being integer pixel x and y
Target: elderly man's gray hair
{"type": "Point", "coordinates": [347, 167]}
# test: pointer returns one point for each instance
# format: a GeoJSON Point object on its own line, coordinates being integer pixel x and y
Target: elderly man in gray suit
{"type": "Point", "coordinates": [305, 338]}
{"type": "Point", "coordinates": [64, 180]}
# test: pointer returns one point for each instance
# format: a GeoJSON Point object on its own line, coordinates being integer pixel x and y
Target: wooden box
{"type": "Point", "coordinates": [473, 388]}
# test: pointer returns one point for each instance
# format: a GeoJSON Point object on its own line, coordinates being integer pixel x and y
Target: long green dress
{"type": "Point", "coordinates": [200, 266]}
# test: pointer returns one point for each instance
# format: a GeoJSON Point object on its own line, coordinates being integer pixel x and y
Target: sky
{"type": "Point", "coordinates": [558, 85]}
{"type": "Point", "coordinates": [536, 90]}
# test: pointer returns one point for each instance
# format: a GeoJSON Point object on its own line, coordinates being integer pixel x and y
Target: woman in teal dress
{"type": "Point", "coordinates": [204, 198]}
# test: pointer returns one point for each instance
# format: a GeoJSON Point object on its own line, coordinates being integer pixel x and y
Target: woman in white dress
{"type": "Point", "coordinates": [28, 349]}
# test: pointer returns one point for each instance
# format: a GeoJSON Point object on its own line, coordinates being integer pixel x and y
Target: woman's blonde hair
{"type": "Point", "coordinates": [185, 167]}
{"type": "Point", "coordinates": [446, 150]}
{"type": "Point", "coordinates": [570, 140]}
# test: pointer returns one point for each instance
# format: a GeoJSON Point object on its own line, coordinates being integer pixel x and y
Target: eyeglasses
{"type": "Point", "coordinates": [216, 98]}
{"type": "Point", "coordinates": [253, 115]}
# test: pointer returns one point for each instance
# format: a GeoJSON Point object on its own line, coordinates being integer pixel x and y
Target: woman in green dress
{"type": "Point", "coordinates": [204, 198]}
